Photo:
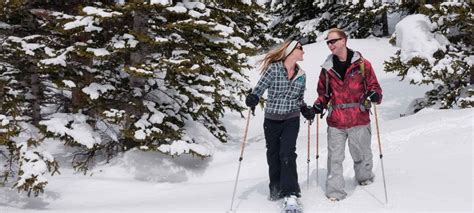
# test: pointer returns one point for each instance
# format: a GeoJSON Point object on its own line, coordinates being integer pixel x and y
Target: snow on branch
{"type": "Point", "coordinates": [74, 126]}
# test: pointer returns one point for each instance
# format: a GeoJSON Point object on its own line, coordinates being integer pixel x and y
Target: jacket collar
{"type": "Point", "coordinates": [328, 65]}
{"type": "Point", "coordinates": [300, 71]}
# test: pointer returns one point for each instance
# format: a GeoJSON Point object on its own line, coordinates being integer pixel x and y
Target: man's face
{"type": "Point", "coordinates": [335, 43]}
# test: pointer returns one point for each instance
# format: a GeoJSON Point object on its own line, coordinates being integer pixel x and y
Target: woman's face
{"type": "Point", "coordinates": [335, 43]}
{"type": "Point", "coordinates": [298, 52]}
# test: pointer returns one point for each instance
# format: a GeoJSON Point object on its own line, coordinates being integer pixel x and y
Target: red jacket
{"type": "Point", "coordinates": [349, 91]}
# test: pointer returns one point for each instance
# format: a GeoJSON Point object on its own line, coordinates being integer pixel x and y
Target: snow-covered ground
{"type": "Point", "coordinates": [427, 159]}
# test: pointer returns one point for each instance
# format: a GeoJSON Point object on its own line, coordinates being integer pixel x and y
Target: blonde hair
{"type": "Point", "coordinates": [275, 54]}
{"type": "Point", "coordinates": [338, 31]}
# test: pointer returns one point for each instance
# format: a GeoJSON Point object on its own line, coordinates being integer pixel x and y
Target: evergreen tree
{"type": "Point", "coordinates": [21, 93]}
{"type": "Point", "coordinates": [452, 68]}
{"type": "Point", "coordinates": [306, 20]}
{"type": "Point", "coordinates": [104, 78]}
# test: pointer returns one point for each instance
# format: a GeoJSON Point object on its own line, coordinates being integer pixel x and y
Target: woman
{"type": "Point", "coordinates": [346, 83]}
{"type": "Point", "coordinates": [285, 82]}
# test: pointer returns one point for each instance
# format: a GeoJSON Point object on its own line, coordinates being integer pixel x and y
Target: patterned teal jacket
{"type": "Point", "coordinates": [284, 96]}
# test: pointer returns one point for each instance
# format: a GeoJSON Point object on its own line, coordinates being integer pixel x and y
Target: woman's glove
{"type": "Point", "coordinates": [308, 112]}
{"type": "Point", "coordinates": [251, 100]}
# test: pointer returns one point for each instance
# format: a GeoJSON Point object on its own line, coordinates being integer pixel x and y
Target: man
{"type": "Point", "coordinates": [346, 84]}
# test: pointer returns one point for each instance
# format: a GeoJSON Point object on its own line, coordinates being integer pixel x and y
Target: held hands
{"type": "Point", "coordinates": [308, 112]}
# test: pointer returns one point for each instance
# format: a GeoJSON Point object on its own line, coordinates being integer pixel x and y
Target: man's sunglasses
{"type": "Point", "coordinates": [299, 47]}
{"type": "Point", "coordinates": [332, 41]}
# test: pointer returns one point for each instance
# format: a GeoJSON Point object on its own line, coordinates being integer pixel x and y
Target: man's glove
{"type": "Point", "coordinates": [251, 100]}
{"type": "Point", "coordinates": [308, 112]}
{"type": "Point", "coordinates": [373, 96]}
{"type": "Point", "coordinates": [318, 108]}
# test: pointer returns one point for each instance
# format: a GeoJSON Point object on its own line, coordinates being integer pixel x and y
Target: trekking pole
{"type": "Point", "coordinates": [240, 159]}
{"type": "Point", "coordinates": [380, 151]}
{"type": "Point", "coordinates": [317, 150]}
{"type": "Point", "coordinates": [309, 142]}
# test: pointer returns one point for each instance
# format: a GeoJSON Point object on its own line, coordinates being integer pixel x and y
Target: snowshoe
{"type": "Point", "coordinates": [366, 182]}
{"type": "Point", "coordinates": [291, 205]}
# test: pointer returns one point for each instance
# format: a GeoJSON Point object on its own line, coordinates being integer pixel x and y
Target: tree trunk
{"type": "Point", "coordinates": [2, 97]}
{"type": "Point", "coordinates": [36, 93]}
{"type": "Point", "coordinates": [472, 77]}
{"type": "Point", "coordinates": [432, 1]}
{"type": "Point", "coordinates": [384, 23]}
{"type": "Point", "coordinates": [140, 19]}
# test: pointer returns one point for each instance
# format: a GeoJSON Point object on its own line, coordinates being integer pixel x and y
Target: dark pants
{"type": "Point", "coordinates": [280, 139]}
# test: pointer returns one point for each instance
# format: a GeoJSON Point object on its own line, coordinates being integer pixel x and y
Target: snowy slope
{"type": "Point", "coordinates": [427, 159]}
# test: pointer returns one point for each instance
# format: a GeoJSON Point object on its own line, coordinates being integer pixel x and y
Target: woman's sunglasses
{"type": "Point", "coordinates": [332, 41]}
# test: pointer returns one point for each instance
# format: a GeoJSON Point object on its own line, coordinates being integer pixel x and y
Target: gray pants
{"type": "Point", "coordinates": [359, 147]}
